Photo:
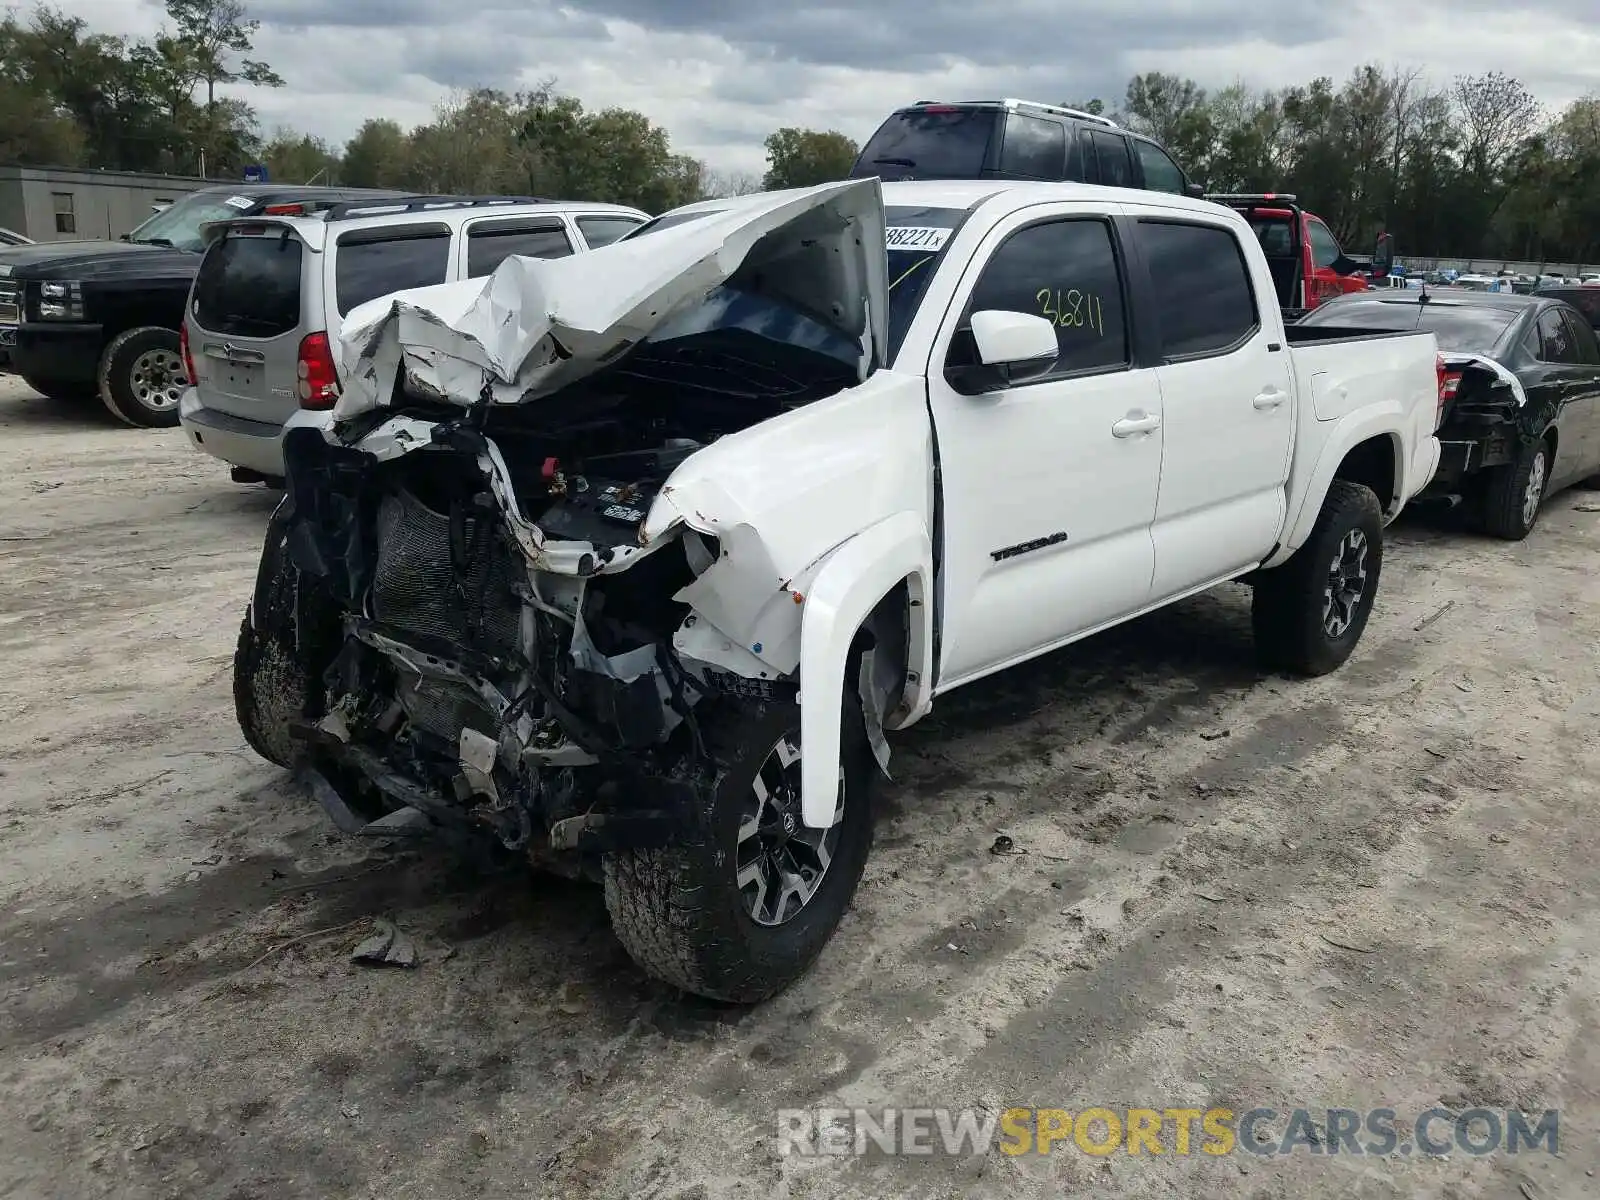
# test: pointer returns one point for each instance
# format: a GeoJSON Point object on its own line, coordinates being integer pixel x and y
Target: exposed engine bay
{"type": "Point", "coordinates": [484, 663]}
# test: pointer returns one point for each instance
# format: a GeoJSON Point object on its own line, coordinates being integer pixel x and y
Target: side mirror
{"type": "Point", "coordinates": [1383, 256]}
{"type": "Point", "coordinates": [999, 349]}
{"type": "Point", "coordinates": [1197, 190]}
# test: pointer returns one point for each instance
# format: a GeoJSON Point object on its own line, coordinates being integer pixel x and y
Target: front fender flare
{"type": "Point", "coordinates": [841, 596]}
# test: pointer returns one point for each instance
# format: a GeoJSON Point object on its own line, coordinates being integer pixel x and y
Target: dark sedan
{"type": "Point", "coordinates": [1519, 394]}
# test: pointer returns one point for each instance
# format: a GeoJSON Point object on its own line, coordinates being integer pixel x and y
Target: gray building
{"type": "Point", "coordinates": [53, 204]}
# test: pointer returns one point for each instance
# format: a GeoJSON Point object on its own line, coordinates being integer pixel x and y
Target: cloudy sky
{"type": "Point", "coordinates": [722, 74]}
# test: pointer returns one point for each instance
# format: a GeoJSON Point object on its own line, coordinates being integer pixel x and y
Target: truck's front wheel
{"type": "Point", "coordinates": [276, 665]}
{"type": "Point", "coordinates": [1309, 613]}
{"type": "Point", "coordinates": [739, 909]}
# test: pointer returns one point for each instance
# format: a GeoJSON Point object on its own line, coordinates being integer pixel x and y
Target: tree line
{"type": "Point", "coordinates": [1474, 168]}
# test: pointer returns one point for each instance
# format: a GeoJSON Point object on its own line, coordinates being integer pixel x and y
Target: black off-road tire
{"type": "Point", "coordinates": [64, 391]}
{"type": "Point", "coordinates": [277, 675]}
{"type": "Point", "coordinates": [1505, 512]}
{"type": "Point", "coordinates": [1289, 606]}
{"type": "Point", "coordinates": [127, 387]}
{"type": "Point", "coordinates": [678, 910]}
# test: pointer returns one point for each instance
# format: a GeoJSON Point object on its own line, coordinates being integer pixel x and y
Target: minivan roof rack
{"type": "Point", "coordinates": [410, 204]}
{"type": "Point", "coordinates": [1063, 110]}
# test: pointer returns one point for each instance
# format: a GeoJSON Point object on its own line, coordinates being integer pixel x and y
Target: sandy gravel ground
{"type": "Point", "coordinates": [1377, 889]}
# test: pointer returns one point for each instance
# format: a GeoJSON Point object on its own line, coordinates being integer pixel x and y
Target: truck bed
{"type": "Point", "coordinates": [1301, 335]}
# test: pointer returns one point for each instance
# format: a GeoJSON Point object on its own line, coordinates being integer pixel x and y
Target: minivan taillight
{"type": "Point", "coordinates": [188, 359]}
{"type": "Point", "coordinates": [319, 380]}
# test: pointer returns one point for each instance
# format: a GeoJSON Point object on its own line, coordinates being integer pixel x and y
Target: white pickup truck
{"type": "Point", "coordinates": [627, 561]}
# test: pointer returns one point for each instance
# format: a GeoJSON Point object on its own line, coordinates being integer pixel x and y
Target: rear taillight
{"type": "Point", "coordinates": [319, 381]}
{"type": "Point", "coordinates": [188, 359]}
{"type": "Point", "coordinates": [1449, 383]}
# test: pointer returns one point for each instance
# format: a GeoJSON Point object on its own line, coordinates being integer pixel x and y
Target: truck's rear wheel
{"type": "Point", "coordinates": [1513, 492]}
{"type": "Point", "coordinates": [1310, 612]}
{"type": "Point", "coordinates": [741, 907]}
{"type": "Point", "coordinates": [142, 377]}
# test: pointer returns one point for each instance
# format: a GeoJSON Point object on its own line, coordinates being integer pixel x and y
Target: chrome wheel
{"type": "Point", "coordinates": [1347, 583]}
{"type": "Point", "coordinates": [780, 862]}
{"type": "Point", "coordinates": [1533, 494]}
{"type": "Point", "coordinates": [157, 379]}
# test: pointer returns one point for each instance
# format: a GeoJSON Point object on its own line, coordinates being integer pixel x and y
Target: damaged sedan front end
{"type": "Point", "coordinates": [529, 585]}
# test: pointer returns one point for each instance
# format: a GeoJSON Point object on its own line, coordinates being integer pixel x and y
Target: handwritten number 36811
{"type": "Point", "coordinates": [1072, 309]}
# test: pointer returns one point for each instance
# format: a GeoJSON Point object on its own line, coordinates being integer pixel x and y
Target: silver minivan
{"type": "Point", "coordinates": [272, 291]}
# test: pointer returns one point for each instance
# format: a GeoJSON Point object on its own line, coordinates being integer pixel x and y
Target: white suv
{"type": "Point", "coordinates": [272, 289]}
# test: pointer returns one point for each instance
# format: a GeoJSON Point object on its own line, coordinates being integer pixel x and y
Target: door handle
{"type": "Point", "coordinates": [1270, 398]}
{"type": "Point", "coordinates": [1132, 424]}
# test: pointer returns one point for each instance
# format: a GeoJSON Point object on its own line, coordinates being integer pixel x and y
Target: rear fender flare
{"type": "Point", "coordinates": [841, 596]}
{"type": "Point", "coordinates": [1348, 433]}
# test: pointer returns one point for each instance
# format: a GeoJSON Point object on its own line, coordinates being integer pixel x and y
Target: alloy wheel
{"type": "Point", "coordinates": [1347, 583]}
{"type": "Point", "coordinates": [780, 862]}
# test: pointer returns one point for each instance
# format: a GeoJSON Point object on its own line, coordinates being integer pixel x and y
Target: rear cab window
{"type": "Point", "coordinates": [248, 284]}
{"type": "Point", "coordinates": [935, 141]}
{"type": "Point", "coordinates": [1205, 304]}
{"type": "Point", "coordinates": [491, 242]}
{"type": "Point", "coordinates": [369, 263]}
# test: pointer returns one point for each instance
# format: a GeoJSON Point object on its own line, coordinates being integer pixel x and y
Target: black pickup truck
{"type": "Point", "coordinates": [83, 318]}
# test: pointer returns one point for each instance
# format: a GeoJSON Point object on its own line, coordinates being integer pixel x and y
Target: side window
{"type": "Point", "coordinates": [1583, 343]}
{"type": "Point", "coordinates": [490, 243]}
{"type": "Point", "coordinates": [1065, 271]}
{"type": "Point", "coordinates": [1111, 153]}
{"type": "Point", "coordinates": [1034, 148]}
{"type": "Point", "coordinates": [1203, 299]}
{"type": "Point", "coordinates": [375, 262]}
{"type": "Point", "coordinates": [66, 216]}
{"type": "Point", "coordinates": [1324, 250]}
{"type": "Point", "coordinates": [602, 231]}
{"type": "Point", "coordinates": [1161, 174]}
{"type": "Point", "coordinates": [1555, 339]}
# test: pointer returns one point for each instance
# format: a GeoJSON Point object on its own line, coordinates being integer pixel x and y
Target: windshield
{"type": "Point", "coordinates": [915, 238]}
{"type": "Point", "coordinates": [179, 224]}
{"type": "Point", "coordinates": [1467, 328]}
{"type": "Point", "coordinates": [929, 143]}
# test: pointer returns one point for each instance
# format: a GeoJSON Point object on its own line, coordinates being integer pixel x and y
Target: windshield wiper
{"type": "Point", "coordinates": [897, 162]}
{"type": "Point", "coordinates": [155, 242]}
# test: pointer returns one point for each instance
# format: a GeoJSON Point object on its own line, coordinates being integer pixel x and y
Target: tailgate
{"type": "Point", "coordinates": [245, 321]}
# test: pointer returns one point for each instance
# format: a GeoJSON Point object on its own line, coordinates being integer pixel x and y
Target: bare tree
{"type": "Point", "coordinates": [1497, 114]}
{"type": "Point", "coordinates": [721, 184]}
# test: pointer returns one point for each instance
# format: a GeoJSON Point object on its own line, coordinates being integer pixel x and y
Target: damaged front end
{"type": "Point", "coordinates": [512, 619]}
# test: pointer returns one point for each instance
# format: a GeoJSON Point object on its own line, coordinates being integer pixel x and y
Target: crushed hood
{"type": "Point", "coordinates": [536, 325]}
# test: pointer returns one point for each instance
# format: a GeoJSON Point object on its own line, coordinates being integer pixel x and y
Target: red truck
{"type": "Point", "coordinates": [1307, 263]}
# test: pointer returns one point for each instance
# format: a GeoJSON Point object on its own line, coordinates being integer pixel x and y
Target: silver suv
{"type": "Point", "coordinates": [271, 290]}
